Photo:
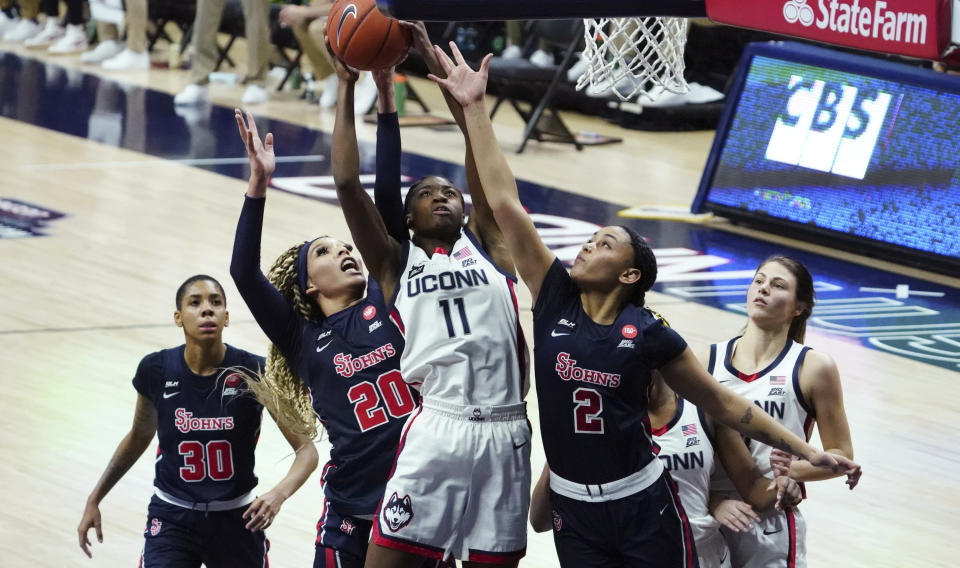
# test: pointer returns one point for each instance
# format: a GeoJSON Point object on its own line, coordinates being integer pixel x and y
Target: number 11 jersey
{"type": "Point", "coordinates": [458, 313]}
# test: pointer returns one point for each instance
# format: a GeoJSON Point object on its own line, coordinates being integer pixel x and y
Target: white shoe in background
{"type": "Point", "coordinates": [74, 40]}
{"type": "Point", "coordinates": [365, 95]}
{"type": "Point", "coordinates": [328, 97]}
{"type": "Point", "coordinates": [512, 52]}
{"type": "Point", "coordinates": [22, 31]}
{"type": "Point", "coordinates": [254, 94]}
{"type": "Point", "coordinates": [578, 69]}
{"type": "Point", "coordinates": [541, 58]}
{"type": "Point", "coordinates": [6, 23]}
{"type": "Point", "coordinates": [104, 50]}
{"type": "Point", "coordinates": [127, 60]}
{"type": "Point", "coordinates": [52, 31]}
{"type": "Point", "coordinates": [192, 94]}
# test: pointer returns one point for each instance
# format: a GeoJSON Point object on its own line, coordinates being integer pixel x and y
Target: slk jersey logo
{"type": "Point", "coordinates": [830, 127]}
{"type": "Point", "coordinates": [853, 19]}
{"type": "Point", "coordinates": [155, 526]}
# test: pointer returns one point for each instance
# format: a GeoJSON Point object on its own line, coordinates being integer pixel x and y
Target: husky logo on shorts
{"type": "Point", "coordinates": [557, 521]}
{"type": "Point", "coordinates": [155, 527]}
{"type": "Point", "coordinates": [398, 512]}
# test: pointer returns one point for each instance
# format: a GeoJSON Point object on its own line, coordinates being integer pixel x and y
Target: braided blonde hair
{"type": "Point", "coordinates": [279, 389]}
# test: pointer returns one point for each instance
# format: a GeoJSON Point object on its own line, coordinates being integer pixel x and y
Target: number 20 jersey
{"type": "Point", "coordinates": [458, 312]}
{"type": "Point", "coordinates": [207, 426]}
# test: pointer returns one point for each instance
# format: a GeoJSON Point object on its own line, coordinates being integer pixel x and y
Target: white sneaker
{"type": "Point", "coordinates": [577, 70]}
{"type": "Point", "coordinates": [512, 52]}
{"type": "Point", "coordinates": [6, 23]}
{"type": "Point", "coordinates": [52, 31]}
{"type": "Point", "coordinates": [192, 94]}
{"type": "Point", "coordinates": [328, 98]}
{"type": "Point", "coordinates": [364, 95]}
{"type": "Point", "coordinates": [127, 60]}
{"type": "Point", "coordinates": [73, 41]}
{"type": "Point", "coordinates": [104, 50]}
{"type": "Point", "coordinates": [254, 94]}
{"type": "Point", "coordinates": [24, 30]}
{"type": "Point", "coordinates": [541, 58]}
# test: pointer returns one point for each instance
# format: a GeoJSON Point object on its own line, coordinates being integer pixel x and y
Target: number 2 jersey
{"type": "Point", "coordinates": [458, 312]}
{"type": "Point", "coordinates": [592, 382]}
{"type": "Point", "coordinates": [207, 426]}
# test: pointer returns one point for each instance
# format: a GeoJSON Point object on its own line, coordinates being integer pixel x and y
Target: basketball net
{"type": "Point", "coordinates": [635, 56]}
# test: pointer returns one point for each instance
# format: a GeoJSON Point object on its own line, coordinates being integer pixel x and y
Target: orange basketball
{"type": "Point", "coordinates": [363, 37]}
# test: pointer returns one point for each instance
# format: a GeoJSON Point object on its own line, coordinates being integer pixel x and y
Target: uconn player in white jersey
{"type": "Point", "coordinates": [796, 385]}
{"type": "Point", "coordinates": [204, 509]}
{"type": "Point", "coordinates": [595, 345]}
{"type": "Point", "coordinates": [461, 481]}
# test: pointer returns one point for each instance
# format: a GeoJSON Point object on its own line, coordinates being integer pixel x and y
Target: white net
{"type": "Point", "coordinates": [634, 56]}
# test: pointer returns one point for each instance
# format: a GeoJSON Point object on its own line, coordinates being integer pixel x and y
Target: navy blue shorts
{"type": "Point", "coordinates": [176, 537]}
{"type": "Point", "coordinates": [341, 540]}
{"type": "Point", "coordinates": [646, 529]}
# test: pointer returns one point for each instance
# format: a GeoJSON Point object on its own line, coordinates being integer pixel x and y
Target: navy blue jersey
{"type": "Point", "coordinates": [592, 382]}
{"type": "Point", "coordinates": [207, 425]}
{"type": "Point", "coordinates": [350, 362]}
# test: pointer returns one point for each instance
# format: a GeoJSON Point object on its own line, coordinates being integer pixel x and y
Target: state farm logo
{"type": "Point", "coordinates": [828, 126]}
{"type": "Point", "coordinates": [797, 11]}
{"type": "Point", "coordinates": [853, 19]}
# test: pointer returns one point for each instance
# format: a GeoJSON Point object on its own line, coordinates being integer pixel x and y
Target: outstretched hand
{"type": "Point", "coordinates": [838, 464]}
{"type": "Point", "coordinates": [463, 83]}
{"type": "Point", "coordinates": [262, 159]}
{"type": "Point", "coordinates": [90, 520]}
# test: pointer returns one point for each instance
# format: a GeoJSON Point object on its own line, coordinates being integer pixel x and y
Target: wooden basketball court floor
{"type": "Point", "coordinates": [83, 304]}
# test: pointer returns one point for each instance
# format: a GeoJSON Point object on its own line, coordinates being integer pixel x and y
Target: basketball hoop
{"type": "Point", "coordinates": [635, 56]}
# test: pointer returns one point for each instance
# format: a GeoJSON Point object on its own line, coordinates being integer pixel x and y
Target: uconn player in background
{"type": "Point", "coordinates": [203, 509]}
{"type": "Point", "coordinates": [461, 481]}
{"type": "Point", "coordinates": [796, 385]}
{"type": "Point", "coordinates": [595, 345]}
{"type": "Point", "coordinates": [333, 351]}
{"type": "Point", "coordinates": [689, 445]}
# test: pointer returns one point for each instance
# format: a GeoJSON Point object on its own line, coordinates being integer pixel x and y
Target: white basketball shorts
{"type": "Point", "coordinates": [778, 540]}
{"type": "Point", "coordinates": [460, 486]}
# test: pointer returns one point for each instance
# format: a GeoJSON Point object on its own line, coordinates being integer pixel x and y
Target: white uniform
{"type": "Point", "coordinates": [461, 481]}
{"type": "Point", "coordinates": [686, 451]}
{"type": "Point", "coordinates": [778, 540]}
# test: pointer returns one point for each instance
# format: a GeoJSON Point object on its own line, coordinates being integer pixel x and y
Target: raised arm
{"type": "Point", "coordinates": [760, 492]}
{"type": "Point", "coordinates": [386, 187]}
{"type": "Point", "coordinates": [379, 250]}
{"type": "Point", "coordinates": [689, 379]}
{"type": "Point", "coordinates": [129, 450]}
{"type": "Point", "coordinates": [273, 313]}
{"type": "Point", "coordinates": [266, 507]}
{"type": "Point", "coordinates": [482, 221]}
{"type": "Point", "coordinates": [533, 259]}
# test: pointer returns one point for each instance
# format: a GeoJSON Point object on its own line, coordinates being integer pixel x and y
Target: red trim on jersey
{"type": "Point", "coordinates": [660, 431]}
{"type": "Point", "coordinates": [690, 557]}
{"type": "Point", "coordinates": [331, 558]}
{"type": "Point", "coordinates": [747, 378]}
{"type": "Point", "coordinates": [404, 545]}
{"type": "Point", "coordinates": [266, 553]}
{"type": "Point", "coordinates": [140, 564]}
{"type": "Point", "coordinates": [521, 340]}
{"type": "Point", "coordinates": [792, 532]}
{"type": "Point", "coordinates": [496, 557]}
{"type": "Point", "coordinates": [323, 515]}
{"type": "Point", "coordinates": [403, 440]}
{"type": "Point", "coordinates": [395, 318]}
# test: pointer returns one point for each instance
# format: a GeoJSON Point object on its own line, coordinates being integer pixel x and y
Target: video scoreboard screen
{"type": "Point", "coordinates": [858, 152]}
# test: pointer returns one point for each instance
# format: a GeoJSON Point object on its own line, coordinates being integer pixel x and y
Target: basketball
{"type": "Point", "coordinates": [363, 37]}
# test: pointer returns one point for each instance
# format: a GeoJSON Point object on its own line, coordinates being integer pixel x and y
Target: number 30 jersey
{"type": "Point", "coordinates": [207, 426]}
{"type": "Point", "coordinates": [592, 382]}
{"type": "Point", "coordinates": [458, 312]}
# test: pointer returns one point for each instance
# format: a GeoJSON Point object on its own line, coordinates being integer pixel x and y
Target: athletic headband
{"type": "Point", "coordinates": [301, 267]}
